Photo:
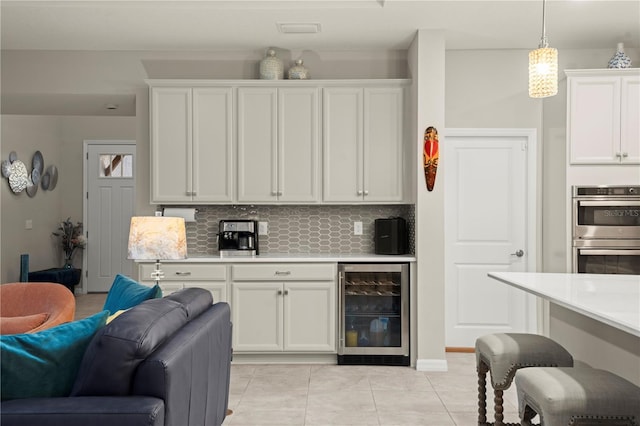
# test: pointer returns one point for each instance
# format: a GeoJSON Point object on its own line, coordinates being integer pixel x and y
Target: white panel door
{"type": "Point", "coordinates": [257, 144]}
{"type": "Point", "coordinates": [109, 205]}
{"type": "Point", "coordinates": [383, 147]}
{"type": "Point", "coordinates": [310, 316]}
{"type": "Point", "coordinates": [171, 147]}
{"type": "Point", "coordinates": [257, 316]}
{"type": "Point", "coordinates": [630, 120]}
{"type": "Point", "coordinates": [486, 229]}
{"type": "Point", "coordinates": [212, 144]}
{"type": "Point", "coordinates": [342, 147]}
{"type": "Point", "coordinates": [593, 112]}
{"type": "Point", "coordinates": [298, 161]}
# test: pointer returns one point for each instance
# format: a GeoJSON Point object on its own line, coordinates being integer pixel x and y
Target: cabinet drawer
{"type": "Point", "coordinates": [284, 272]}
{"type": "Point", "coordinates": [185, 272]}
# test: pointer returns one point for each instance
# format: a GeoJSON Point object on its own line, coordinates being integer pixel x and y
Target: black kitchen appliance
{"type": "Point", "coordinates": [238, 238]}
{"type": "Point", "coordinates": [374, 314]}
{"type": "Point", "coordinates": [391, 236]}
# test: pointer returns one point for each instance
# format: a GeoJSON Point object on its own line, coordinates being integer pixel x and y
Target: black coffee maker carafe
{"type": "Point", "coordinates": [238, 238]}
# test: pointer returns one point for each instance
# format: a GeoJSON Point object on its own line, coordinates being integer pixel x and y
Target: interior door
{"type": "Point", "coordinates": [489, 218]}
{"type": "Point", "coordinates": [109, 205]}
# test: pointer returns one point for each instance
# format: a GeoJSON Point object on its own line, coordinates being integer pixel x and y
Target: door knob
{"type": "Point", "coordinates": [518, 253]}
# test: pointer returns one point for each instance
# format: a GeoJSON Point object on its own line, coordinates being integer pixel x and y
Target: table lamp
{"type": "Point", "coordinates": [157, 238]}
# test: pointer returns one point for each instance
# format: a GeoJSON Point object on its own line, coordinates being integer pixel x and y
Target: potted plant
{"type": "Point", "coordinates": [71, 239]}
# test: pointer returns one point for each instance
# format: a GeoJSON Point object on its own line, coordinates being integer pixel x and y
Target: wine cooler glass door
{"type": "Point", "coordinates": [374, 309]}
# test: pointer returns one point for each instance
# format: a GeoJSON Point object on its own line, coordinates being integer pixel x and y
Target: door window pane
{"type": "Point", "coordinates": [116, 165]}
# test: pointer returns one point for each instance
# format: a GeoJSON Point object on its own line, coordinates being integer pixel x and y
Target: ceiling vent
{"type": "Point", "coordinates": [298, 28]}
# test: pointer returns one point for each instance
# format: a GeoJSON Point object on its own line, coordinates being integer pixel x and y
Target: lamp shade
{"type": "Point", "coordinates": [157, 238]}
{"type": "Point", "coordinates": [543, 72]}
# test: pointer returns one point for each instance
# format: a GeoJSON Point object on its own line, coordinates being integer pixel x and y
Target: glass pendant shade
{"type": "Point", "coordinates": [543, 72]}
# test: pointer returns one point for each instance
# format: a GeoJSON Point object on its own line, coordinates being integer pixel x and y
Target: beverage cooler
{"type": "Point", "coordinates": [374, 314]}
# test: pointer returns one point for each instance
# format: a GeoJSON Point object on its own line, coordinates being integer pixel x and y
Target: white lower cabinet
{"type": "Point", "coordinates": [284, 308]}
{"type": "Point", "coordinates": [182, 275]}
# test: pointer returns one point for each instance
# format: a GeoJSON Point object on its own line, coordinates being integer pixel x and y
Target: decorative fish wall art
{"type": "Point", "coordinates": [431, 155]}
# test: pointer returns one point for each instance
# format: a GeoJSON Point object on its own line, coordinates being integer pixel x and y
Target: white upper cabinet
{"type": "Point", "coordinates": [278, 147]}
{"type": "Point", "coordinates": [191, 145]}
{"type": "Point", "coordinates": [603, 116]}
{"type": "Point", "coordinates": [363, 144]}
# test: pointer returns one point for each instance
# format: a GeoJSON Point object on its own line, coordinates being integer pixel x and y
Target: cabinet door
{"type": "Point", "coordinates": [218, 289]}
{"type": "Point", "coordinates": [257, 144]}
{"type": "Point", "coordinates": [310, 316]}
{"type": "Point", "coordinates": [171, 144]}
{"type": "Point", "coordinates": [630, 120]}
{"type": "Point", "coordinates": [383, 144]}
{"type": "Point", "coordinates": [170, 287]}
{"type": "Point", "coordinates": [257, 316]}
{"type": "Point", "coordinates": [212, 145]}
{"type": "Point", "coordinates": [298, 160]}
{"type": "Point", "coordinates": [342, 144]}
{"type": "Point", "coordinates": [594, 120]}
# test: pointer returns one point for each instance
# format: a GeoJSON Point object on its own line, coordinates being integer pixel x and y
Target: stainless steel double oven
{"type": "Point", "coordinates": [606, 229]}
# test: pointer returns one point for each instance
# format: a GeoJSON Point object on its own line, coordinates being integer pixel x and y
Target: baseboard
{"type": "Point", "coordinates": [462, 350]}
{"type": "Point", "coordinates": [432, 365]}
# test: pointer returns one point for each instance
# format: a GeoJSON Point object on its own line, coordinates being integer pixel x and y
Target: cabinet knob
{"type": "Point", "coordinates": [279, 292]}
{"type": "Point", "coordinates": [625, 154]}
{"type": "Point", "coordinates": [274, 193]}
{"type": "Point", "coordinates": [366, 192]}
{"type": "Point", "coordinates": [286, 292]}
{"type": "Point", "coordinates": [359, 192]}
{"type": "Point", "coordinates": [280, 193]}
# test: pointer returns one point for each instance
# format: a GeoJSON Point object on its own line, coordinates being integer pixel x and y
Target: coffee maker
{"type": "Point", "coordinates": [238, 238]}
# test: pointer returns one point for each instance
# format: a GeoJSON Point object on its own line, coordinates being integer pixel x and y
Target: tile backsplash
{"type": "Point", "coordinates": [299, 228]}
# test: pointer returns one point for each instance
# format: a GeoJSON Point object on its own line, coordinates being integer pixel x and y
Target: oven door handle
{"type": "Point", "coordinates": [613, 203]}
{"type": "Point", "coordinates": [606, 252]}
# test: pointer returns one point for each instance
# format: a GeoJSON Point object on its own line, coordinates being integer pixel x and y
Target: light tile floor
{"type": "Point", "coordinates": [333, 395]}
{"type": "Point", "coordinates": [358, 395]}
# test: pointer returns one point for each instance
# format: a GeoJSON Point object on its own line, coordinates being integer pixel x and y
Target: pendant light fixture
{"type": "Point", "coordinates": [543, 66]}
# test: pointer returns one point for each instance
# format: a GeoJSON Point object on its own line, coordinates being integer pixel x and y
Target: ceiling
{"type": "Point", "coordinates": [213, 25]}
{"type": "Point", "coordinates": [247, 27]}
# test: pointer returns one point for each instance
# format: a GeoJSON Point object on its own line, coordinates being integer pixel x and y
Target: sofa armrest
{"type": "Point", "coordinates": [190, 372]}
{"type": "Point", "coordinates": [83, 410]}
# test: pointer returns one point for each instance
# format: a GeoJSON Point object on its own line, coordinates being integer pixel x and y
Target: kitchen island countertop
{"type": "Point", "coordinates": [301, 258]}
{"type": "Point", "coordinates": [611, 299]}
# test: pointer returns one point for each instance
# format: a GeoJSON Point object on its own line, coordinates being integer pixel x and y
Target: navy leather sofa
{"type": "Point", "coordinates": [164, 362]}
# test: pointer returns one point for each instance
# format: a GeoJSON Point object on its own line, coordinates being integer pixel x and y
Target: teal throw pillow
{"type": "Point", "coordinates": [45, 363]}
{"type": "Point", "coordinates": [126, 293]}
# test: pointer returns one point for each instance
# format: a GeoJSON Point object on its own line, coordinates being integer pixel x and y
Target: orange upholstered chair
{"type": "Point", "coordinates": [29, 307]}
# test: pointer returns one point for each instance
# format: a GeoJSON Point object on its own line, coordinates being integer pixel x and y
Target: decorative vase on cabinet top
{"type": "Point", "coordinates": [620, 59]}
{"type": "Point", "coordinates": [298, 71]}
{"type": "Point", "coordinates": [271, 67]}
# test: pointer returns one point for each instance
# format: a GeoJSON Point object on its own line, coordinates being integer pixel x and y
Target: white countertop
{"type": "Point", "coordinates": [611, 299]}
{"type": "Point", "coordinates": [302, 257]}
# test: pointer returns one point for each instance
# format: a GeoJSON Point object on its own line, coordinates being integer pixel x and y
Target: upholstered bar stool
{"type": "Point", "coordinates": [502, 354]}
{"type": "Point", "coordinates": [576, 396]}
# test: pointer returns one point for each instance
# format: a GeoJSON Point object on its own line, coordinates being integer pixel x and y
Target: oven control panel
{"type": "Point", "coordinates": [606, 190]}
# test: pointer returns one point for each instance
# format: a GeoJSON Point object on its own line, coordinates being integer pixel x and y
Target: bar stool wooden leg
{"type": "Point", "coordinates": [499, 407]}
{"type": "Point", "coordinates": [483, 369]}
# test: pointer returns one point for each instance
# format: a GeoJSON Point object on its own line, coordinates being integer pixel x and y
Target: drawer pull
{"type": "Point", "coordinates": [183, 274]}
{"type": "Point", "coordinates": [283, 273]}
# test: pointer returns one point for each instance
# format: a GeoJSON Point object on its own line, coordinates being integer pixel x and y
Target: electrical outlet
{"type": "Point", "coordinates": [28, 224]}
{"type": "Point", "coordinates": [263, 228]}
{"type": "Point", "coordinates": [357, 228]}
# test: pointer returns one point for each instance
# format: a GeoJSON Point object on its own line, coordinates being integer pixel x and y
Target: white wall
{"type": "Point", "coordinates": [25, 135]}
{"type": "Point", "coordinates": [60, 139]}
